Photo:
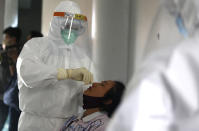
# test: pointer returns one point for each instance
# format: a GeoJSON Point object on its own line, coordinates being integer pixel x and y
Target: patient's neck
{"type": "Point", "coordinates": [90, 111]}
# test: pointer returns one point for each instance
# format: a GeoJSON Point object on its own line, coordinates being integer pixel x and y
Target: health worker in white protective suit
{"type": "Point", "coordinates": [52, 71]}
{"type": "Point", "coordinates": [165, 91]}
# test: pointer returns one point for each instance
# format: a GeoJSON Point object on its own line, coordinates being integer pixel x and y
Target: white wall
{"type": "Point", "coordinates": [8, 15]}
{"type": "Point", "coordinates": [11, 13]}
{"type": "Point", "coordinates": [143, 12]}
{"type": "Point", "coordinates": [49, 6]}
{"type": "Point", "coordinates": [2, 7]}
{"type": "Point", "coordinates": [110, 38]}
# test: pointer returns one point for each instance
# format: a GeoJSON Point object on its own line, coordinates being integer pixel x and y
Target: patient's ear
{"type": "Point", "coordinates": [108, 102]}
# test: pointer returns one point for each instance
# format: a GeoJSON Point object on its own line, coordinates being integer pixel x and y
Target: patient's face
{"type": "Point", "coordinates": [99, 89]}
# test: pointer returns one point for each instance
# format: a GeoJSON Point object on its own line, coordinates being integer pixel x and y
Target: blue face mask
{"type": "Point", "coordinates": [69, 40]}
{"type": "Point", "coordinates": [181, 27]}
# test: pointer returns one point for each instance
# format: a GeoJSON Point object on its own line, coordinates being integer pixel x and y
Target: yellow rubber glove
{"type": "Point", "coordinates": [79, 74]}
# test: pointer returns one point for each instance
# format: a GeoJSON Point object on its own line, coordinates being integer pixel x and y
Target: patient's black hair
{"type": "Point", "coordinates": [114, 94]}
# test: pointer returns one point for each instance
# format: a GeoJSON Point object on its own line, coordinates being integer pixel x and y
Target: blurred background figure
{"type": "Point", "coordinates": [11, 38]}
{"type": "Point", "coordinates": [166, 88]}
{"type": "Point", "coordinates": [4, 78]}
{"type": "Point", "coordinates": [34, 33]}
{"type": "Point", "coordinates": [11, 48]}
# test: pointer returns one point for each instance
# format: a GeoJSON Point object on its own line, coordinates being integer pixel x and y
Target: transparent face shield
{"type": "Point", "coordinates": [72, 26]}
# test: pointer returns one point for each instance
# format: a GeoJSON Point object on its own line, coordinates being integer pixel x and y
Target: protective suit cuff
{"type": "Point", "coordinates": [61, 74]}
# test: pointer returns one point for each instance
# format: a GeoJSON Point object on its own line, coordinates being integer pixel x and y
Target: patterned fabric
{"type": "Point", "coordinates": [94, 122]}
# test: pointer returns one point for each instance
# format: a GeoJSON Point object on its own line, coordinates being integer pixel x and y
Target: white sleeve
{"type": "Point", "coordinates": [167, 94]}
{"type": "Point", "coordinates": [148, 104]}
{"type": "Point", "coordinates": [148, 107]}
{"type": "Point", "coordinates": [31, 70]}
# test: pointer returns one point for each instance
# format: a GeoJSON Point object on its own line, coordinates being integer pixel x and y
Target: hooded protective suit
{"type": "Point", "coordinates": [44, 100]}
{"type": "Point", "coordinates": [165, 91]}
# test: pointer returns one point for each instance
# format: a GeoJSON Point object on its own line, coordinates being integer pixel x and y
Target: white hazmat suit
{"type": "Point", "coordinates": [46, 98]}
{"type": "Point", "coordinates": [165, 94]}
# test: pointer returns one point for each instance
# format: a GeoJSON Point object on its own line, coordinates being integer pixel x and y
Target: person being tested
{"type": "Point", "coordinates": [99, 101]}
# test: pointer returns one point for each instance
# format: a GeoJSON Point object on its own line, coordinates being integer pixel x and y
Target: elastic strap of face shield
{"type": "Point", "coordinates": [70, 27]}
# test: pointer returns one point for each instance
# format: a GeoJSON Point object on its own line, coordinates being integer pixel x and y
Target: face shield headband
{"type": "Point", "coordinates": [73, 26]}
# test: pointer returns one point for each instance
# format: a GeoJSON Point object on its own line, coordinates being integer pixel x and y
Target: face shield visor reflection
{"type": "Point", "coordinates": [72, 27]}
